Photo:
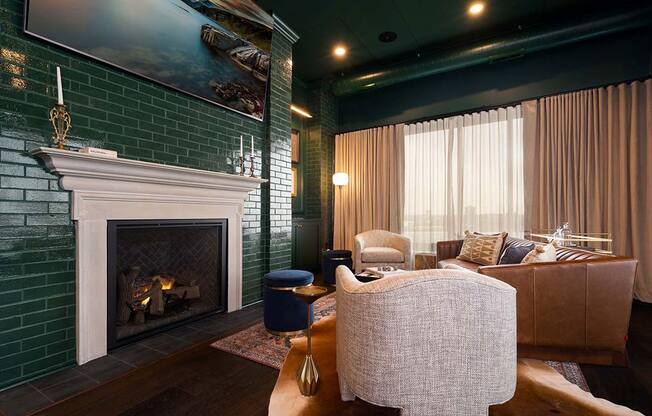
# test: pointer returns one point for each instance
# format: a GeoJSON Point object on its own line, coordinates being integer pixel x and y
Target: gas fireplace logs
{"type": "Point", "coordinates": [152, 295]}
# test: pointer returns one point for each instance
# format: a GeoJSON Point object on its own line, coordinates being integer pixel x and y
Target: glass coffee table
{"type": "Point", "coordinates": [367, 276]}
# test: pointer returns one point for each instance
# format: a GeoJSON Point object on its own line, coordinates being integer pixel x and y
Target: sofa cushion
{"type": "Point", "coordinates": [442, 264]}
{"type": "Point", "coordinates": [382, 255]}
{"type": "Point", "coordinates": [482, 249]}
{"type": "Point", "coordinates": [515, 255]}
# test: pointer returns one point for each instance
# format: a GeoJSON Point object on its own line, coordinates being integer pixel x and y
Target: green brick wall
{"type": "Point", "coordinates": [139, 119]}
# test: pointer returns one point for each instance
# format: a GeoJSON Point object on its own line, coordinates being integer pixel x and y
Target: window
{"type": "Point", "coordinates": [464, 173]}
{"type": "Point", "coordinates": [297, 185]}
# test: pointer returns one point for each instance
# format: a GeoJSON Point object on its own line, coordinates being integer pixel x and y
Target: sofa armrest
{"type": "Point", "coordinates": [448, 249]}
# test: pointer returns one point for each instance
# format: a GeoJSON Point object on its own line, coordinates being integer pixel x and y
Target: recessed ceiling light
{"type": "Point", "coordinates": [476, 8]}
{"type": "Point", "coordinates": [387, 37]}
{"type": "Point", "coordinates": [339, 51]}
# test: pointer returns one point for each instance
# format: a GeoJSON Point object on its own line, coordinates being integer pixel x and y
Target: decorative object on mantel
{"type": "Point", "coordinates": [96, 151]}
{"type": "Point", "coordinates": [252, 160]}
{"type": "Point", "coordinates": [59, 116]}
{"type": "Point", "coordinates": [241, 159]}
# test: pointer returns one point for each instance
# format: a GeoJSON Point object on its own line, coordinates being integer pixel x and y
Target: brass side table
{"type": "Point", "coordinates": [308, 374]}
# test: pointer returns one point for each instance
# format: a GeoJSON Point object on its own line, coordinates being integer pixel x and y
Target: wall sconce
{"type": "Point", "coordinates": [340, 179]}
{"type": "Point", "coordinates": [300, 111]}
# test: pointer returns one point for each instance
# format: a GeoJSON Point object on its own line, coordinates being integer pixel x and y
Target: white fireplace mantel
{"type": "Point", "coordinates": [106, 189]}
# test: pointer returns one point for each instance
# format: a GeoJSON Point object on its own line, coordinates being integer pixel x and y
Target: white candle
{"type": "Point", "coordinates": [241, 148]}
{"type": "Point", "coordinates": [252, 145]}
{"type": "Point", "coordinates": [59, 87]}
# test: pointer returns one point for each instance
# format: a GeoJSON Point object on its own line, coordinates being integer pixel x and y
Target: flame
{"type": "Point", "coordinates": [166, 282]}
{"type": "Point", "coordinates": [145, 301]}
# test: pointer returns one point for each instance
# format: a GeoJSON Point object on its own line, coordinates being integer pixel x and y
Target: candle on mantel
{"type": "Point", "coordinates": [59, 87]}
{"type": "Point", "coordinates": [241, 148]}
{"type": "Point", "coordinates": [252, 145]}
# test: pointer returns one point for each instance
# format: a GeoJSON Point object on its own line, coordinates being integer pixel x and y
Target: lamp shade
{"type": "Point", "coordinates": [340, 179]}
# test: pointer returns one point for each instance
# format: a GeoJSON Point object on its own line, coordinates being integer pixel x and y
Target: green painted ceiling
{"type": "Point", "coordinates": [421, 25]}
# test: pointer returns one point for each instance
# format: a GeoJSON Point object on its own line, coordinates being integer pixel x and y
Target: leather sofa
{"type": "Point", "coordinates": [574, 309]}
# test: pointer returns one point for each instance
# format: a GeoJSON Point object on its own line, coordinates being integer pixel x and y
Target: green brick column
{"type": "Point", "coordinates": [277, 169]}
{"type": "Point", "coordinates": [320, 158]}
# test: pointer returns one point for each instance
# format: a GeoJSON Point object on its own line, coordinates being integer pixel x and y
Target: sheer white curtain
{"type": "Point", "coordinates": [463, 173]}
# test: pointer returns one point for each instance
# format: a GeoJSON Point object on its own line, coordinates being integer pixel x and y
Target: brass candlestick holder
{"type": "Point", "coordinates": [251, 166]}
{"type": "Point", "coordinates": [307, 373]}
{"type": "Point", "coordinates": [241, 161]}
{"type": "Point", "coordinates": [61, 122]}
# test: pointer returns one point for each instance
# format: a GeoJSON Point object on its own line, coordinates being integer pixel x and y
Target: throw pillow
{"type": "Point", "coordinates": [515, 255]}
{"type": "Point", "coordinates": [482, 249]}
{"type": "Point", "coordinates": [542, 254]}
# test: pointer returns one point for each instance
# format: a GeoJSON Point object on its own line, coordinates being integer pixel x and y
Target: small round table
{"type": "Point", "coordinates": [307, 374]}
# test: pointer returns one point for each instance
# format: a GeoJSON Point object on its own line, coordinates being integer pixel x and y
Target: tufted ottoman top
{"type": "Point", "coordinates": [288, 278]}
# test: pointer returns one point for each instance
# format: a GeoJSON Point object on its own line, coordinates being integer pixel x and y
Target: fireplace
{"type": "Point", "coordinates": [161, 273]}
{"type": "Point", "coordinates": [106, 190]}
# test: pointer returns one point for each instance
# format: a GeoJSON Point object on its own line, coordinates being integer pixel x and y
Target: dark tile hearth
{"type": "Point", "coordinates": [136, 355]}
{"type": "Point", "coordinates": [40, 393]}
{"type": "Point", "coordinates": [105, 368]}
{"type": "Point", "coordinates": [22, 400]}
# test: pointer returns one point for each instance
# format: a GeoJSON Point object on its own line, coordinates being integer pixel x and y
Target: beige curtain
{"type": "Point", "coordinates": [586, 162]}
{"type": "Point", "coordinates": [373, 199]}
{"type": "Point", "coordinates": [463, 173]}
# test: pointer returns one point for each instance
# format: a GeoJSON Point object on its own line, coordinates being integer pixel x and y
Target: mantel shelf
{"type": "Point", "coordinates": [80, 165]}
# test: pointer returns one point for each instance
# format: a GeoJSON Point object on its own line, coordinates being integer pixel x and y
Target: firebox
{"type": "Point", "coordinates": [163, 273]}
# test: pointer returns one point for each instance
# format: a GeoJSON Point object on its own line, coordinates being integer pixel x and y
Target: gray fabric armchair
{"type": "Point", "coordinates": [431, 342]}
{"type": "Point", "coordinates": [382, 248]}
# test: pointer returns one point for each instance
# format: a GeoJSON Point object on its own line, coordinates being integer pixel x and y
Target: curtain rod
{"type": "Point", "coordinates": [493, 107]}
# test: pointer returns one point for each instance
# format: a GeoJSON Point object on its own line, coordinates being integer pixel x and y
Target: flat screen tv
{"type": "Point", "coordinates": [216, 50]}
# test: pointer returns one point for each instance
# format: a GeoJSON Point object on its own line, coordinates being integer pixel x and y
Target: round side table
{"type": "Point", "coordinates": [308, 374]}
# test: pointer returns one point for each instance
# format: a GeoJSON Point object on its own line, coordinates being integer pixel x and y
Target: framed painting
{"type": "Point", "coordinates": [216, 50]}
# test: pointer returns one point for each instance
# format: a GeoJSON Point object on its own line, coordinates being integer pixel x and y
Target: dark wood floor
{"type": "Point", "coordinates": [632, 386]}
{"type": "Point", "coordinates": [205, 381]}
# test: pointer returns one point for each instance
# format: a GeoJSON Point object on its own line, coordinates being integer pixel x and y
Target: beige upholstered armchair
{"type": "Point", "coordinates": [382, 248]}
{"type": "Point", "coordinates": [430, 342]}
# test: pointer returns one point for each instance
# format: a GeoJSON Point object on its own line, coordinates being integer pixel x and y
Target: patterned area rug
{"type": "Point", "coordinates": [256, 344]}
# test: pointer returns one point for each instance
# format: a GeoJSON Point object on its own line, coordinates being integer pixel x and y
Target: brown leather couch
{"type": "Point", "coordinates": [574, 309]}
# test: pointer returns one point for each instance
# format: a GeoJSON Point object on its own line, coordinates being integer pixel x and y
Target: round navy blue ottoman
{"type": "Point", "coordinates": [333, 258]}
{"type": "Point", "coordinates": [285, 313]}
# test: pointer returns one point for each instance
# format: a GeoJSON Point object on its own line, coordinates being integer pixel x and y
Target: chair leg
{"type": "Point", "coordinates": [345, 392]}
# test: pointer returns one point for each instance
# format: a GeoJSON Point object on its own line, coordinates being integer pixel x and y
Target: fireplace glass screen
{"type": "Point", "coordinates": [161, 273]}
